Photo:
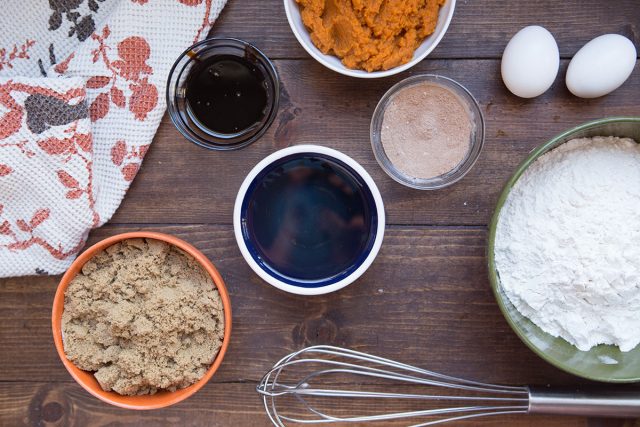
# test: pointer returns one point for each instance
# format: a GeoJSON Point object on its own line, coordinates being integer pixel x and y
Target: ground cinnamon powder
{"type": "Point", "coordinates": [426, 130]}
{"type": "Point", "coordinates": [144, 316]}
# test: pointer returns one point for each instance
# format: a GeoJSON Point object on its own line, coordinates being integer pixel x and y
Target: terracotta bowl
{"type": "Point", "coordinates": [86, 379]}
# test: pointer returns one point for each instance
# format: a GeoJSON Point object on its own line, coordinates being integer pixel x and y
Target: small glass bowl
{"type": "Point", "coordinates": [475, 144]}
{"type": "Point", "coordinates": [179, 108]}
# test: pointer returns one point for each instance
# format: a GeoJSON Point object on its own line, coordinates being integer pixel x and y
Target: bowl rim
{"type": "Point", "coordinates": [113, 398]}
{"type": "Point", "coordinates": [460, 170]}
{"type": "Point", "coordinates": [313, 149]}
{"type": "Point", "coordinates": [492, 271]}
{"type": "Point", "coordinates": [320, 57]}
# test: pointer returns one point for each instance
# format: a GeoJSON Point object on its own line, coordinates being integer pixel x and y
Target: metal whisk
{"type": "Point", "coordinates": [301, 376]}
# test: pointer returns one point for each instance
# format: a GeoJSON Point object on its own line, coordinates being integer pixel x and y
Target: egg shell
{"type": "Point", "coordinates": [530, 62]}
{"type": "Point", "coordinates": [601, 66]}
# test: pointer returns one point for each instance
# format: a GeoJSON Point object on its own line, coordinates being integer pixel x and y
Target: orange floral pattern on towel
{"type": "Point", "coordinates": [78, 111]}
{"type": "Point", "coordinates": [54, 143]}
{"type": "Point", "coordinates": [132, 67]}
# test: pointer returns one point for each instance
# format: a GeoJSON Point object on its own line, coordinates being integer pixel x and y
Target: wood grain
{"type": "Point", "coordinates": [479, 29]}
{"type": "Point", "coordinates": [183, 183]}
{"type": "Point", "coordinates": [39, 404]}
{"type": "Point", "coordinates": [426, 301]}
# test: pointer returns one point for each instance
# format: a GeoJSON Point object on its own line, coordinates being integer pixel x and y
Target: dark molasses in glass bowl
{"type": "Point", "coordinates": [222, 93]}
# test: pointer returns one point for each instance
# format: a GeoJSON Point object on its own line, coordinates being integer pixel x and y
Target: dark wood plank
{"type": "Point", "coordinates": [68, 405]}
{"type": "Point", "coordinates": [479, 29]}
{"type": "Point", "coordinates": [182, 183]}
{"type": "Point", "coordinates": [425, 301]}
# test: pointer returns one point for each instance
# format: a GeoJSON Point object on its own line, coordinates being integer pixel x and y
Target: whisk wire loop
{"type": "Point", "coordinates": [338, 362]}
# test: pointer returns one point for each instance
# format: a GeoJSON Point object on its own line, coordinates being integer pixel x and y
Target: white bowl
{"type": "Point", "coordinates": [362, 265]}
{"type": "Point", "coordinates": [333, 63]}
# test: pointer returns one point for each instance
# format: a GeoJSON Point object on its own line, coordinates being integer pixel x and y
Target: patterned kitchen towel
{"type": "Point", "coordinates": [82, 87]}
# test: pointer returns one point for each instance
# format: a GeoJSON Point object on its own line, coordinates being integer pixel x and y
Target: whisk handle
{"type": "Point", "coordinates": [601, 402]}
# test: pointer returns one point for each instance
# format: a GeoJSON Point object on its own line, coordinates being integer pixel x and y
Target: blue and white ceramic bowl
{"type": "Point", "coordinates": [309, 220]}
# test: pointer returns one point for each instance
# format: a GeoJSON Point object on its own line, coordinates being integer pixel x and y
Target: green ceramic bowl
{"type": "Point", "coordinates": [604, 362]}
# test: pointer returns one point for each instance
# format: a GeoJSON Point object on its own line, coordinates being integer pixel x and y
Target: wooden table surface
{"type": "Point", "coordinates": [426, 299]}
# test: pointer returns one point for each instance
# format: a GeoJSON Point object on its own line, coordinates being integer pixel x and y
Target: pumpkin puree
{"type": "Point", "coordinates": [371, 35]}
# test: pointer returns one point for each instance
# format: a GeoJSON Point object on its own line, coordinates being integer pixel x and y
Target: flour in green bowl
{"type": "Point", "coordinates": [567, 244]}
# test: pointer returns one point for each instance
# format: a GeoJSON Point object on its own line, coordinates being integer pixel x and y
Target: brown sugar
{"type": "Point", "coordinates": [370, 35]}
{"type": "Point", "coordinates": [144, 316]}
{"type": "Point", "coordinates": [426, 130]}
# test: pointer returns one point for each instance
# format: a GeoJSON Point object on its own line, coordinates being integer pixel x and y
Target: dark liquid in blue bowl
{"type": "Point", "coordinates": [309, 218]}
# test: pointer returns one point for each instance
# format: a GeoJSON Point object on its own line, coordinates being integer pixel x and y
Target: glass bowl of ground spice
{"type": "Point", "coordinates": [427, 132]}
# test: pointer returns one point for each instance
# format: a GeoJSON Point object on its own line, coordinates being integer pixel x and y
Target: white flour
{"type": "Point", "coordinates": [568, 243]}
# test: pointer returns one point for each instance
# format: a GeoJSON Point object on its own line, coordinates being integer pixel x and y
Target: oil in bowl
{"type": "Point", "coordinates": [308, 217]}
{"type": "Point", "coordinates": [308, 221]}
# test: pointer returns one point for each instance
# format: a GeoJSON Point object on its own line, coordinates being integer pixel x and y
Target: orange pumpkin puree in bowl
{"type": "Point", "coordinates": [370, 35]}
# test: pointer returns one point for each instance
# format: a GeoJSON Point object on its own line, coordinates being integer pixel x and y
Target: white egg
{"type": "Point", "coordinates": [601, 66]}
{"type": "Point", "coordinates": [530, 62]}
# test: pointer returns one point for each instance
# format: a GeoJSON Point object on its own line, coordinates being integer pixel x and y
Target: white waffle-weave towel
{"type": "Point", "coordinates": [82, 87]}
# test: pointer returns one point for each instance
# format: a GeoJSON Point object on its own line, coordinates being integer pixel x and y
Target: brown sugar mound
{"type": "Point", "coordinates": [371, 35]}
{"type": "Point", "coordinates": [144, 316]}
